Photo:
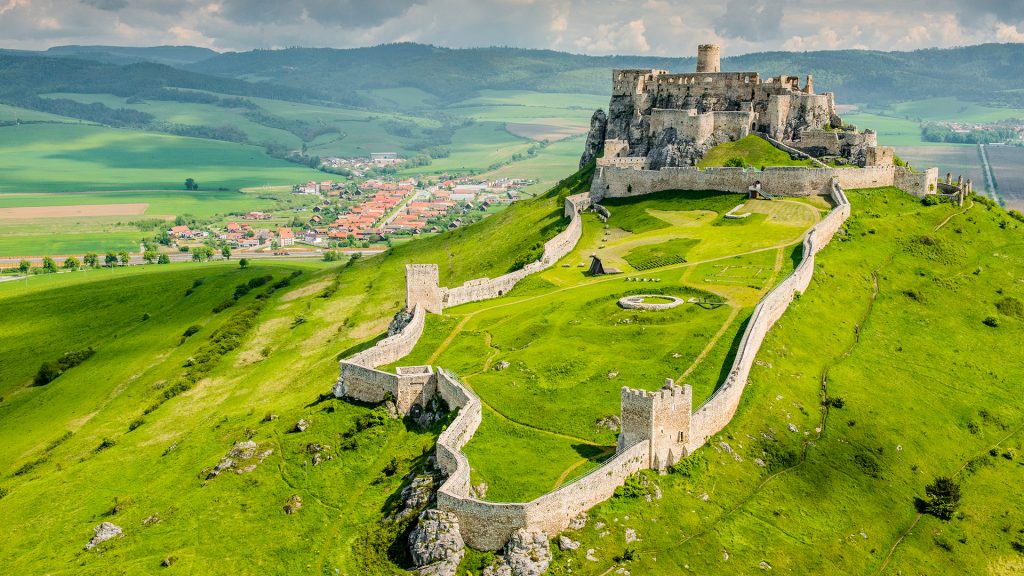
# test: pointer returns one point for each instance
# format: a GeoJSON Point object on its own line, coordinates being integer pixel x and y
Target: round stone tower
{"type": "Point", "coordinates": [709, 58]}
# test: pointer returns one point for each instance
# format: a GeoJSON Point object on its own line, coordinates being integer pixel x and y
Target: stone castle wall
{"type": "Point", "coordinates": [394, 348]}
{"type": "Point", "coordinates": [616, 182]}
{"type": "Point", "coordinates": [718, 410]}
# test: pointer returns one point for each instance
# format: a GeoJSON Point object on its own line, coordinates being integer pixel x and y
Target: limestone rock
{"type": "Point", "coordinates": [579, 522]}
{"type": "Point", "coordinates": [301, 425]}
{"type": "Point", "coordinates": [631, 536]}
{"type": "Point", "coordinates": [610, 422]}
{"type": "Point", "coordinates": [764, 565]}
{"type": "Point", "coordinates": [400, 321]}
{"type": "Point", "coordinates": [243, 450]}
{"type": "Point", "coordinates": [503, 365]}
{"type": "Point", "coordinates": [102, 533]}
{"type": "Point", "coordinates": [595, 138]}
{"type": "Point", "coordinates": [526, 554]}
{"type": "Point", "coordinates": [417, 494]}
{"type": "Point", "coordinates": [436, 545]}
{"type": "Point", "coordinates": [590, 555]}
{"type": "Point", "coordinates": [293, 504]}
{"type": "Point", "coordinates": [566, 543]}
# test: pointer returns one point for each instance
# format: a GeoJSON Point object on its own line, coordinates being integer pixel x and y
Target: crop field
{"type": "Point", "coordinates": [512, 350]}
{"type": "Point", "coordinates": [951, 109]}
{"type": "Point", "coordinates": [1008, 166]}
{"type": "Point", "coordinates": [953, 158]}
{"type": "Point", "coordinates": [62, 157]}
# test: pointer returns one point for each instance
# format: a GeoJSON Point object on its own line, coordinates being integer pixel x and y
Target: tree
{"type": "Point", "coordinates": [123, 255]}
{"type": "Point", "coordinates": [273, 244]}
{"type": "Point", "coordinates": [49, 265]}
{"type": "Point", "coordinates": [190, 184]}
{"type": "Point", "coordinates": [197, 255]}
{"type": "Point", "coordinates": [226, 252]}
{"type": "Point", "coordinates": [243, 263]}
{"type": "Point", "coordinates": [110, 259]}
{"type": "Point", "coordinates": [943, 497]}
{"type": "Point", "coordinates": [24, 266]}
{"type": "Point", "coordinates": [149, 256]}
{"type": "Point", "coordinates": [91, 259]}
{"type": "Point", "coordinates": [164, 259]}
{"type": "Point", "coordinates": [71, 263]}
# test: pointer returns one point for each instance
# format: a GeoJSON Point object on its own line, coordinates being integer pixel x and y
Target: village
{"type": "Point", "coordinates": [359, 213]}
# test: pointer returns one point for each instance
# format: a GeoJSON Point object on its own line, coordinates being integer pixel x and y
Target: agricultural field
{"type": "Point", "coordinates": [503, 348]}
{"type": "Point", "coordinates": [61, 157]}
{"type": "Point", "coordinates": [920, 387]}
{"type": "Point", "coordinates": [1008, 167]}
{"type": "Point", "coordinates": [101, 221]}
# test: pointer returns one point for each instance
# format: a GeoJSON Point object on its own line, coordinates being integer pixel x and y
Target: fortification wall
{"type": "Point", "coordinates": [832, 142]}
{"type": "Point", "coordinates": [422, 287]}
{"type": "Point", "coordinates": [554, 250]}
{"type": "Point", "coordinates": [919, 184]}
{"type": "Point", "coordinates": [393, 348]}
{"type": "Point", "coordinates": [718, 410]}
{"type": "Point", "coordinates": [612, 182]}
{"type": "Point", "coordinates": [363, 383]}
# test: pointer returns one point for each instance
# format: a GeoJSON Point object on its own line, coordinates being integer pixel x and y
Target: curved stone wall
{"type": "Point", "coordinates": [393, 348]}
{"type": "Point", "coordinates": [637, 302]}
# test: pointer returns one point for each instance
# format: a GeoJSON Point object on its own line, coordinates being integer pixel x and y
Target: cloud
{"type": "Point", "coordinates": [756, 20]}
{"type": "Point", "coordinates": [657, 27]}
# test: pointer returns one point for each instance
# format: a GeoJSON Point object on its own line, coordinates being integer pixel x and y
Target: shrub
{"type": "Point", "coordinates": [735, 162]}
{"type": "Point", "coordinates": [691, 466]}
{"type": "Point", "coordinates": [835, 402]}
{"type": "Point", "coordinates": [135, 424]}
{"type": "Point", "coordinates": [223, 306]}
{"type": "Point", "coordinates": [3, 492]}
{"type": "Point", "coordinates": [930, 200]}
{"type": "Point", "coordinates": [106, 443]}
{"type": "Point", "coordinates": [376, 417]}
{"type": "Point", "coordinates": [49, 371]}
{"type": "Point", "coordinates": [991, 321]}
{"type": "Point", "coordinates": [1011, 306]}
{"type": "Point", "coordinates": [636, 486]}
{"type": "Point", "coordinates": [943, 498]}
{"type": "Point", "coordinates": [190, 331]}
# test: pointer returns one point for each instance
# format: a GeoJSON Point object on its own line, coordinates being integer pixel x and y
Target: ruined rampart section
{"type": "Point", "coordinates": [488, 525]}
{"type": "Point", "coordinates": [393, 348]}
{"type": "Point", "coordinates": [554, 250]}
{"type": "Point", "coordinates": [615, 182]}
{"type": "Point", "coordinates": [718, 410]}
{"type": "Point", "coordinates": [411, 386]}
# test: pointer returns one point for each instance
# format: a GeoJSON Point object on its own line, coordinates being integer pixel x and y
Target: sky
{"type": "Point", "coordinates": [642, 27]}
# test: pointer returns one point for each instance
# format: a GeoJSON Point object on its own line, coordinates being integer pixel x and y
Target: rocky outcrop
{"type": "Point", "coordinates": [402, 319]}
{"type": "Point", "coordinates": [436, 545]}
{"type": "Point", "coordinates": [526, 554]}
{"type": "Point", "coordinates": [102, 533]}
{"type": "Point", "coordinates": [595, 138]}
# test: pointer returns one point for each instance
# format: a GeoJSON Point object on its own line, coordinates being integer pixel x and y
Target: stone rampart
{"type": "Point", "coordinates": [393, 348]}
{"type": "Point", "coordinates": [615, 182]}
{"type": "Point", "coordinates": [554, 250]}
{"type": "Point", "coordinates": [718, 410]}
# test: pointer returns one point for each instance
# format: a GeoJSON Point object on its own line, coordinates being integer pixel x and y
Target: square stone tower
{"type": "Point", "coordinates": [422, 286]}
{"type": "Point", "coordinates": [663, 417]}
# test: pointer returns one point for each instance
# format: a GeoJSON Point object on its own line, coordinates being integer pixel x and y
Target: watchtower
{"type": "Point", "coordinates": [422, 287]}
{"type": "Point", "coordinates": [709, 58]}
{"type": "Point", "coordinates": [663, 417]}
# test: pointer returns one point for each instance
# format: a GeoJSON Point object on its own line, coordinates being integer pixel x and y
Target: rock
{"type": "Point", "coordinates": [243, 450]}
{"type": "Point", "coordinates": [417, 494]}
{"type": "Point", "coordinates": [764, 565]}
{"type": "Point", "coordinates": [579, 522]}
{"type": "Point", "coordinates": [169, 561]}
{"type": "Point", "coordinates": [705, 497]}
{"type": "Point", "coordinates": [270, 417]}
{"type": "Point", "coordinates": [102, 533]}
{"type": "Point", "coordinates": [725, 555]}
{"type": "Point", "coordinates": [566, 543]}
{"type": "Point", "coordinates": [612, 375]}
{"type": "Point", "coordinates": [480, 490]}
{"type": "Point", "coordinates": [246, 469]}
{"type": "Point", "coordinates": [293, 504]}
{"type": "Point", "coordinates": [631, 536]}
{"type": "Point", "coordinates": [301, 425]}
{"type": "Point", "coordinates": [610, 422]}
{"type": "Point", "coordinates": [759, 462]}
{"type": "Point", "coordinates": [435, 544]}
{"type": "Point", "coordinates": [266, 453]}
{"type": "Point", "coordinates": [793, 428]}
{"type": "Point", "coordinates": [150, 520]}
{"type": "Point", "coordinates": [599, 525]}
{"type": "Point", "coordinates": [525, 554]}
{"type": "Point", "coordinates": [400, 321]}
{"type": "Point", "coordinates": [590, 555]}
{"type": "Point", "coordinates": [503, 365]}
{"type": "Point", "coordinates": [595, 138]}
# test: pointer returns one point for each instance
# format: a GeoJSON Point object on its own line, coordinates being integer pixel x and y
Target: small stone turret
{"type": "Point", "coordinates": [663, 417]}
{"type": "Point", "coordinates": [709, 58]}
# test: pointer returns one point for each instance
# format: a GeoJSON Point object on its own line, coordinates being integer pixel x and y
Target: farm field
{"type": "Point", "coordinates": [954, 158]}
{"type": "Point", "coordinates": [525, 332]}
{"type": "Point", "coordinates": [97, 158]}
{"type": "Point", "coordinates": [1008, 166]}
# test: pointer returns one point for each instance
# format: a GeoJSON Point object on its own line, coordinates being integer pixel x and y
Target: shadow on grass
{"type": "Point", "coordinates": [594, 453]}
{"type": "Point", "coordinates": [734, 349]}
{"type": "Point", "coordinates": [361, 346]}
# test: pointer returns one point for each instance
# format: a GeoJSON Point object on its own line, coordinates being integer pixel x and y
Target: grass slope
{"type": "Point", "coordinates": [927, 390]}
{"type": "Point", "coordinates": [753, 150]}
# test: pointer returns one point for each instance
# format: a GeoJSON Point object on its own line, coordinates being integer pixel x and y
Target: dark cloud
{"type": "Point", "coordinates": [342, 13]}
{"type": "Point", "coordinates": [109, 5]}
{"type": "Point", "coordinates": [753, 20]}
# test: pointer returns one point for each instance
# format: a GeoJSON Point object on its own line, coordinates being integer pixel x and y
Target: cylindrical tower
{"type": "Point", "coordinates": [709, 58]}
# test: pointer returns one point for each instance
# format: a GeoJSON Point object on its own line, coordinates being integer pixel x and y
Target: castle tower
{"type": "Point", "coordinates": [709, 58]}
{"type": "Point", "coordinates": [663, 417]}
{"type": "Point", "coordinates": [422, 286]}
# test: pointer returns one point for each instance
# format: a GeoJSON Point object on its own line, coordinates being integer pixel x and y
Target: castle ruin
{"type": "Point", "coordinates": [657, 119]}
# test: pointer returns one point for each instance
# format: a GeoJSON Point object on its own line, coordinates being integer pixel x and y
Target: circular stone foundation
{"type": "Point", "coordinates": [649, 302]}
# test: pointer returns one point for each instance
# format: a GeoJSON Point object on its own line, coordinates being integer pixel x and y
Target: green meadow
{"type": "Point", "coordinates": [62, 157]}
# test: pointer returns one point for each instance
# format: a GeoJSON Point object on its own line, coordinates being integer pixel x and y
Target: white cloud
{"type": "Point", "coordinates": [1008, 33]}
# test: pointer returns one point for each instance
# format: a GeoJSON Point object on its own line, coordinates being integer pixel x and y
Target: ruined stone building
{"type": "Point", "coordinates": [656, 119]}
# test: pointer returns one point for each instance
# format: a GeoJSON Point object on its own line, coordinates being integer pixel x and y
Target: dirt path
{"type": "Point", "coordinates": [953, 215]}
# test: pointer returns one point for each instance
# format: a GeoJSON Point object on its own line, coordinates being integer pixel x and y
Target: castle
{"type": "Point", "coordinates": [657, 119]}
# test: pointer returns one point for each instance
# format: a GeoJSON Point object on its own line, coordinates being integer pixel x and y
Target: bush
{"type": "Point", "coordinates": [3, 492]}
{"type": "Point", "coordinates": [376, 417]}
{"type": "Point", "coordinates": [636, 486]}
{"type": "Point", "coordinates": [835, 402]}
{"type": "Point", "coordinates": [1011, 306]}
{"type": "Point", "coordinates": [735, 162]}
{"type": "Point", "coordinates": [691, 466]}
{"type": "Point", "coordinates": [991, 321]}
{"type": "Point", "coordinates": [190, 331]}
{"type": "Point", "coordinates": [223, 306]}
{"type": "Point", "coordinates": [106, 443]}
{"type": "Point", "coordinates": [943, 498]}
{"type": "Point", "coordinates": [135, 424]}
{"type": "Point", "coordinates": [930, 200]}
{"type": "Point", "coordinates": [49, 371]}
